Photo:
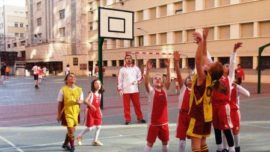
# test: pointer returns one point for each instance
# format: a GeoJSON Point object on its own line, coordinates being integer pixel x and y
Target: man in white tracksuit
{"type": "Point", "coordinates": [129, 78]}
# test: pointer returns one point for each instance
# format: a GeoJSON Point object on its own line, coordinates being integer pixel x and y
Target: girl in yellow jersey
{"type": "Point", "coordinates": [69, 99]}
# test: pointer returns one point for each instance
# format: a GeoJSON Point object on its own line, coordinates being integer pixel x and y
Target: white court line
{"type": "Point", "coordinates": [11, 144]}
{"type": "Point", "coordinates": [81, 127]}
{"type": "Point", "coordinates": [54, 128]}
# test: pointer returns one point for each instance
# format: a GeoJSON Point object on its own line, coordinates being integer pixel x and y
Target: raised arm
{"type": "Point", "coordinates": [199, 58]}
{"type": "Point", "coordinates": [168, 78]}
{"type": "Point", "coordinates": [233, 61]}
{"type": "Point", "coordinates": [176, 57]}
{"type": "Point", "coordinates": [146, 77]}
{"type": "Point", "coordinates": [243, 90]}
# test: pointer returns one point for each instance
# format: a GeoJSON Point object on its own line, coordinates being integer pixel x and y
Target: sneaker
{"type": "Point", "coordinates": [225, 150]}
{"type": "Point", "coordinates": [66, 147]}
{"type": "Point", "coordinates": [141, 121]}
{"type": "Point", "coordinates": [127, 123]}
{"type": "Point", "coordinates": [79, 140]}
{"type": "Point", "coordinates": [97, 143]}
{"type": "Point", "coordinates": [72, 149]}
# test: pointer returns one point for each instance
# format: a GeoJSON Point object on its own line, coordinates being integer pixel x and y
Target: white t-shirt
{"type": "Point", "coordinates": [35, 69]}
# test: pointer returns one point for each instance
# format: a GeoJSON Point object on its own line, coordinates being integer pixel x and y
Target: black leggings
{"type": "Point", "coordinates": [228, 135]}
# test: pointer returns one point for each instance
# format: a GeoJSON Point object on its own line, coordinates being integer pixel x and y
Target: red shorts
{"type": "Point", "coordinates": [162, 132]}
{"type": "Point", "coordinates": [93, 118]}
{"type": "Point", "coordinates": [222, 117]}
{"type": "Point", "coordinates": [182, 126]}
{"type": "Point", "coordinates": [236, 117]}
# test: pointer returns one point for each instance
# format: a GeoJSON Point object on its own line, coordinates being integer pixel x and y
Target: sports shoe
{"type": "Point", "coordinates": [79, 140]}
{"type": "Point", "coordinates": [97, 143]}
{"type": "Point", "coordinates": [66, 147]}
{"type": "Point", "coordinates": [127, 123]}
{"type": "Point", "coordinates": [141, 121]}
{"type": "Point", "coordinates": [72, 149]}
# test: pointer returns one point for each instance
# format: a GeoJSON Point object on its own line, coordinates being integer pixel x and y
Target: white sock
{"type": "Point", "coordinates": [84, 131]}
{"type": "Point", "coordinates": [182, 146]}
{"type": "Point", "coordinates": [98, 128]}
{"type": "Point", "coordinates": [147, 148]}
{"type": "Point", "coordinates": [219, 147]}
{"type": "Point", "coordinates": [236, 140]}
{"type": "Point", "coordinates": [165, 148]}
{"type": "Point", "coordinates": [231, 149]}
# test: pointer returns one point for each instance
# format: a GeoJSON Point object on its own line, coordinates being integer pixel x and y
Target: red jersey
{"type": "Point", "coordinates": [234, 99]}
{"type": "Point", "coordinates": [185, 100]}
{"type": "Point", "coordinates": [239, 73]}
{"type": "Point", "coordinates": [219, 97]}
{"type": "Point", "coordinates": [159, 115]}
{"type": "Point", "coordinates": [94, 117]}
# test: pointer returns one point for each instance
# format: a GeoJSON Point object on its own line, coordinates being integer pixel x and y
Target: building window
{"type": "Point", "coordinates": [91, 26]}
{"type": "Point", "coordinates": [139, 15]}
{"type": "Point", "coordinates": [163, 38]}
{"type": "Point", "coordinates": [246, 62]}
{"type": "Point", "coordinates": [140, 63]}
{"type": "Point", "coordinates": [209, 3]}
{"type": "Point", "coordinates": [247, 30]}
{"type": "Point", "coordinates": [265, 62]}
{"type": "Point", "coordinates": [224, 60]}
{"type": "Point", "coordinates": [190, 5]}
{"type": "Point", "coordinates": [105, 63]}
{"type": "Point", "coordinates": [22, 43]}
{"type": "Point", "coordinates": [16, 24]}
{"type": "Point", "coordinates": [39, 6]}
{"type": "Point", "coordinates": [62, 32]}
{"type": "Point", "coordinates": [210, 33]}
{"type": "Point", "coordinates": [8, 46]}
{"type": "Point", "coordinates": [16, 34]}
{"type": "Point", "coordinates": [140, 40]}
{"type": "Point", "coordinates": [264, 28]}
{"type": "Point", "coordinates": [39, 21]}
{"type": "Point", "coordinates": [178, 7]}
{"type": "Point", "coordinates": [39, 35]}
{"type": "Point", "coordinates": [162, 63]}
{"type": "Point", "coordinates": [178, 36]}
{"type": "Point", "coordinates": [224, 2]}
{"type": "Point", "coordinates": [15, 44]}
{"type": "Point", "coordinates": [153, 39]}
{"type": "Point", "coordinates": [21, 35]}
{"type": "Point", "coordinates": [105, 44]}
{"type": "Point", "coordinates": [190, 35]}
{"type": "Point", "coordinates": [62, 14]}
{"type": "Point", "coordinates": [163, 10]}
{"type": "Point", "coordinates": [191, 63]}
{"type": "Point", "coordinates": [152, 13]}
{"type": "Point", "coordinates": [75, 61]}
{"type": "Point", "coordinates": [120, 43]}
{"type": "Point", "coordinates": [114, 63]}
{"type": "Point", "coordinates": [121, 62]}
{"type": "Point", "coordinates": [154, 63]}
{"type": "Point", "coordinates": [131, 42]}
{"type": "Point", "coordinates": [224, 32]}
{"type": "Point", "coordinates": [21, 24]}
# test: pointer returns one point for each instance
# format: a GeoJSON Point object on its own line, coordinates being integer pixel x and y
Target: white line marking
{"type": "Point", "coordinates": [11, 144]}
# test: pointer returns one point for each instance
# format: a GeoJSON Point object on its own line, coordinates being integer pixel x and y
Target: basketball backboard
{"type": "Point", "coordinates": [114, 23]}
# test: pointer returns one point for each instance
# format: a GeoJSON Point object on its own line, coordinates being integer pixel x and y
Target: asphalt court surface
{"type": "Point", "coordinates": [28, 124]}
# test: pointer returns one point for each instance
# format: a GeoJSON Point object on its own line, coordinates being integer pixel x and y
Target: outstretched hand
{"type": "Point", "coordinates": [167, 63]}
{"type": "Point", "coordinates": [197, 37]}
{"type": "Point", "coordinates": [176, 56]}
{"type": "Point", "coordinates": [205, 33]}
{"type": "Point", "coordinates": [237, 46]}
{"type": "Point", "coordinates": [149, 65]}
